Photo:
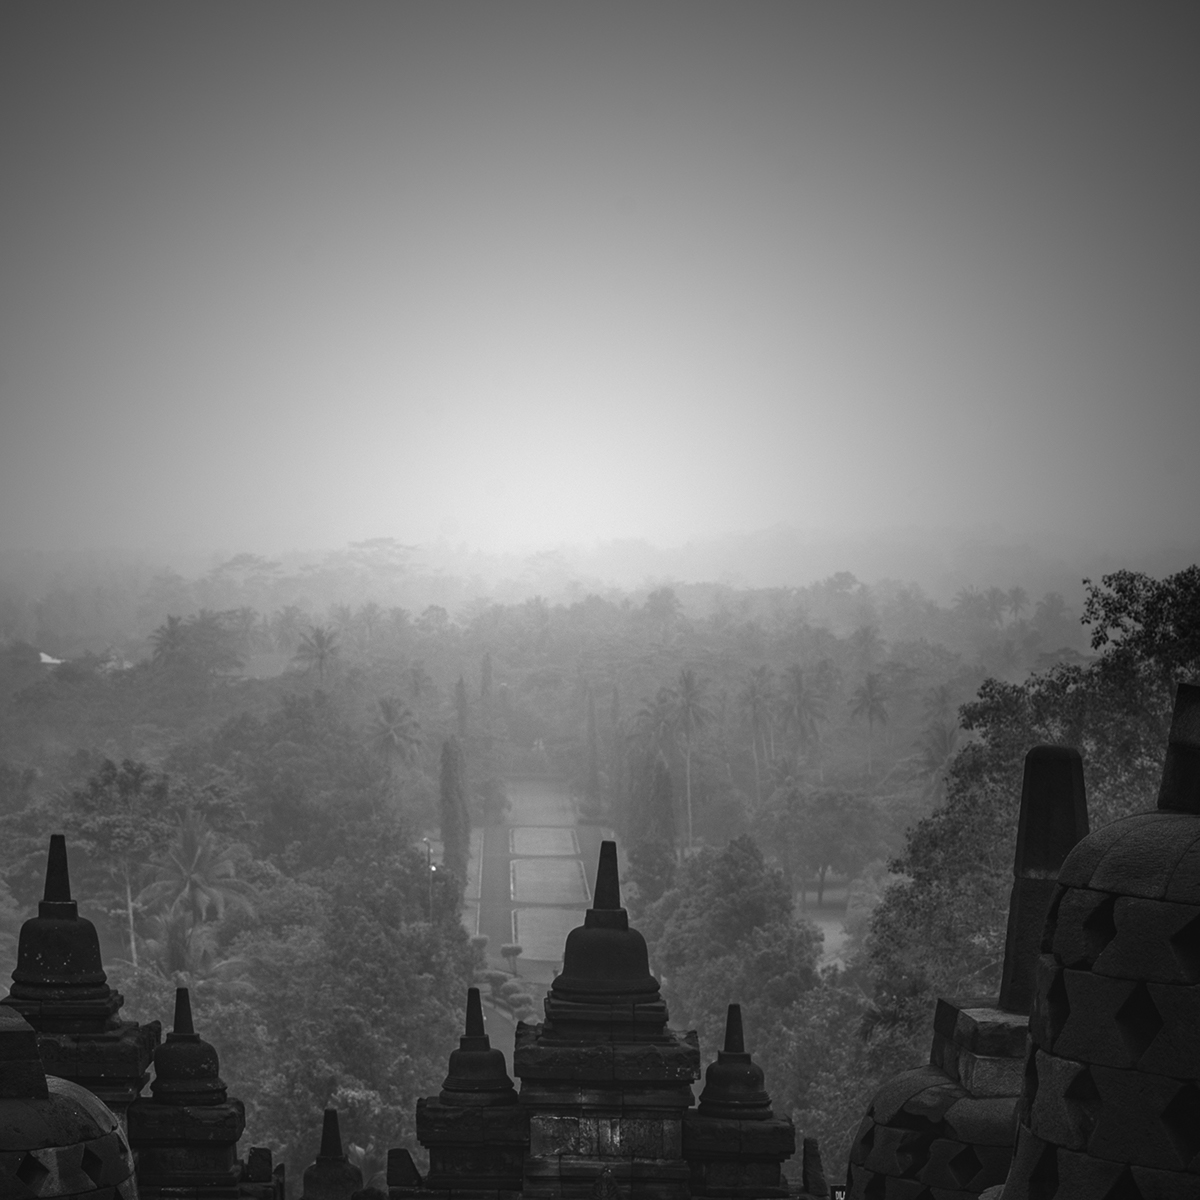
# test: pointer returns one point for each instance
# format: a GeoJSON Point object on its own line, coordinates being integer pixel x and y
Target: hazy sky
{"type": "Point", "coordinates": [281, 275]}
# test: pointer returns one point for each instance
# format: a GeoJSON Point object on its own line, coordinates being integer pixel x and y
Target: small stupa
{"type": "Point", "coordinates": [186, 1134]}
{"type": "Point", "coordinates": [474, 1130]}
{"type": "Point", "coordinates": [333, 1176]}
{"type": "Point", "coordinates": [60, 987]}
{"type": "Point", "coordinates": [733, 1142]}
{"type": "Point", "coordinates": [604, 1080]}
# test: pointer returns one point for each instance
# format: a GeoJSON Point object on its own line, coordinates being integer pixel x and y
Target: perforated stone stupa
{"type": "Point", "coordinates": [1111, 1107]}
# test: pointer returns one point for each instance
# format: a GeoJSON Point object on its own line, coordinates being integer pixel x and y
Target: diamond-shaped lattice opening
{"type": "Point", "coordinates": [1058, 1006]}
{"type": "Point", "coordinates": [1099, 928]}
{"type": "Point", "coordinates": [92, 1165]}
{"type": "Point", "coordinates": [1125, 1188]}
{"type": "Point", "coordinates": [1186, 946]}
{"type": "Point", "coordinates": [876, 1188]}
{"type": "Point", "coordinates": [1182, 1120]}
{"type": "Point", "coordinates": [1083, 1100]}
{"type": "Point", "coordinates": [965, 1165]}
{"type": "Point", "coordinates": [1139, 1021]}
{"type": "Point", "coordinates": [1043, 1179]}
{"type": "Point", "coordinates": [31, 1172]}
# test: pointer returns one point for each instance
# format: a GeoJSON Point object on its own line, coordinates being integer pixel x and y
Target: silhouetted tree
{"type": "Point", "coordinates": [691, 716]}
{"type": "Point", "coordinates": [868, 701]}
{"type": "Point", "coordinates": [455, 822]}
{"type": "Point", "coordinates": [317, 650]}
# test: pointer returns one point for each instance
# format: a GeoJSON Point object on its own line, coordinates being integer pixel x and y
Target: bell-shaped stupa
{"type": "Point", "coordinates": [733, 1142]}
{"type": "Point", "coordinates": [186, 1132]}
{"type": "Point", "coordinates": [474, 1130]}
{"type": "Point", "coordinates": [605, 988]}
{"type": "Point", "coordinates": [60, 988]}
{"type": "Point", "coordinates": [333, 1176]}
{"type": "Point", "coordinates": [604, 1080]}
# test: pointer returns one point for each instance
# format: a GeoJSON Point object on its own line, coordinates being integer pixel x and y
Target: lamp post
{"type": "Point", "coordinates": [429, 873]}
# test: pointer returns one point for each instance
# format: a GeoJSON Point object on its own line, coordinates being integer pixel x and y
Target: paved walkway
{"type": "Point", "coordinates": [530, 881]}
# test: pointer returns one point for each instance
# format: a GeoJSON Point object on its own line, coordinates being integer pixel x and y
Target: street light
{"type": "Point", "coordinates": [429, 869]}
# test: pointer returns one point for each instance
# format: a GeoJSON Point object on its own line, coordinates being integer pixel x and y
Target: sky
{"type": "Point", "coordinates": [516, 275]}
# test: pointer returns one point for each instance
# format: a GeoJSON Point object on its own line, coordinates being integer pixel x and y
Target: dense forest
{"type": "Point", "coordinates": [246, 770]}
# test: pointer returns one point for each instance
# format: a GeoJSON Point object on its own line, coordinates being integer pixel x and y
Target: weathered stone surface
{"type": "Point", "coordinates": [980, 1027]}
{"type": "Point", "coordinates": [1129, 1125]}
{"type": "Point", "coordinates": [983, 1121]}
{"type": "Point", "coordinates": [1184, 884]}
{"type": "Point", "coordinates": [1065, 1108]}
{"type": "Point", "coordinates": [1142, 863]}
{"type": "Point", "coordinates": [1085, 924]}
{"type": "Point", "coordinates": [151, 1122]}
{"type": "Point", "coordinates": [1082, 862]}
{"type": "Point", "coordinates": [1091, 1032]}
{"type": "Point", "coordinates": [1142, 948]}
{"type": "Point", "coordinates": [897, 1091]}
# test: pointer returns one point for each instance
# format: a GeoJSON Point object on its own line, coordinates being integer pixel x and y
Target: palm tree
{"type": "Point", "coordinates": [196, 875]}
{"type": "Point", "coordinates": [939, 703]}
{"type": "Point", "coordinates": [396, 733]}
{"type": "Point", "coordinates": [169, 640]}
{"type": "Point", "coordinates": [691, 716]}
{"type": "Point", "coordinates": [801, 707]}
{"type": "Point", "coordinates": [1018, 601]}
{"type": "Point", "coordinates": [868, 701]}
{"type": "Point", "coordinates": [996, 601]}
{"type": "Point", "coordinates": [867, 644]}
{"type": "Point", "coordinates": [654, 725]}
{"type": "Point", "coordinates": [318, 648]}
{"type": "Point", "coordinates": [755, 699]}
{"type": "Point", "coordinates": [188, 956]}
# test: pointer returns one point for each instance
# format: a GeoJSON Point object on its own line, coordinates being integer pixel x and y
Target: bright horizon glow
{"type": "Point", "coordinates": [296, 276]}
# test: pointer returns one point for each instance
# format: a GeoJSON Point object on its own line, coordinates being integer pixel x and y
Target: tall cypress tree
{"type": "Point", "coordinates": [456, 825]}
{"type": "Point", "coordinates": [592, 797]}
{"type": "Point", "coordinates": [460, 705]}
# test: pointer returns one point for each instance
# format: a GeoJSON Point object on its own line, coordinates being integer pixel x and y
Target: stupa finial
{"type": "Point", "coordinates": [331, 1136]}
{"type": "Point", "coordinates": [58, 880]}
{"type": "Point", "coordinates": [735, 1043]}
{"type": "Point", "coordinates": [475, 1027]}
{"type": "Point", "coordinates": [608, 883]}
{"type": "Point", "coordinates": [183, 1014]}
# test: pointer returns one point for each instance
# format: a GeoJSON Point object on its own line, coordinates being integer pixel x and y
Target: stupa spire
{"type": "Point", "coordinates": [1053, 818]}
{"type": "Point", "coordinates": [183, 1026]}
{"type": "Point", "coordinates": [333, 1176]}
{"type": "Point", "coordinates": [735, 1043]}
{"type": "Point", "coordinates": [608, 883]}
{"type": "Point", "coordinates": [331, 1136]}
{"type": "Point", "coordinates": [1180, 789]}
{"type": "Point", "coordinates": [58, 879]}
